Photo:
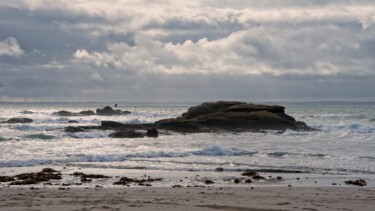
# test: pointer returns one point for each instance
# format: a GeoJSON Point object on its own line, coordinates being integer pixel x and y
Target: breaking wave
{"type": "Point", "coordinates": [41, 136]}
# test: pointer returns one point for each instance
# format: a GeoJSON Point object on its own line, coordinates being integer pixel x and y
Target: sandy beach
{"type": "Point", "coordinates": [188, 198]}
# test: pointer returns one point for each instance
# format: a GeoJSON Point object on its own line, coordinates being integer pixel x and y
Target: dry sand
{"type": "Point", "coordinates": [188, 198]}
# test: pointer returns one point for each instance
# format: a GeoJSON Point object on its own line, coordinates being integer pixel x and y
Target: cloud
{"type": "Point", "coordinates": [10, 47]}
{"type": "Point", "coordinates": [150, 49]}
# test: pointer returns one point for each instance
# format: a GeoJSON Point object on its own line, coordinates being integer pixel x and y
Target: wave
{"type": "Point", "coordinates": [41, 136]}
{"type": "Point", "coordinates": [89, 135]}
{"type": "Point", "coordinates": [36, 128]}
{"type": "Point", "coordinates": [26, 112]}
{"type": "Point", "coordinates": [215, 150]}
{"type": "Point", "coordinates": [352, 127]}
{"type": "Point", "coordinates": [4, 139]}
{"type": "Point", "coordinates": [286, 154]}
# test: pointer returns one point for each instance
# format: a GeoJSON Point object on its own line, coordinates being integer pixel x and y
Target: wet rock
{"type": "Point", "coordinates": [232, 116]}
{"type": "Point", "coordinates": [279, 178]}
{"type": "Point", "coordinates": [108, 111]}
{"type": "Point", "coordinates": [6, 179]}
{"type": "Point", "coordinates": [208, 182]}
{"type": "Point", "coordinates": [220, 169]}
{"type": "Point", "coordinates": [154, 133]}
{"type": "Point", "coordinates": [18, 120]}
{"type": "Point", "coordinates": [236, 181]}
{"type": "Point", "coordinates": [127, 134]}
{"type": "Point", "coordinates": [72, 121]}
{"type": "Point", "coordinates": [358, 182]}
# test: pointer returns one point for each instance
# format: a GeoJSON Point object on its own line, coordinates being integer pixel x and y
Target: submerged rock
{"type": "Point", "coordinates": [232, 116]}
{"type": "Point", "coordinates": [18, 120]}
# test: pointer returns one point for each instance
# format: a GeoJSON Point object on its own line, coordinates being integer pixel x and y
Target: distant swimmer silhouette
{"type": "Point", "coordinates": [115, 104]}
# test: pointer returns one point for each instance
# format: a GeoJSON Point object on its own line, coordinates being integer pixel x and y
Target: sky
{"type": "Point", "coordinates": [178, 50]}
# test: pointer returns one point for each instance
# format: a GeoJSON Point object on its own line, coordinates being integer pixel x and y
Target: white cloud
{"type": "Point", "coordinates": [10, 47]}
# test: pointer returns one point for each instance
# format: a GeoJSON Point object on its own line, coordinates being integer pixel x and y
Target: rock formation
{"type": "Point", "coordinates": [232, 116]}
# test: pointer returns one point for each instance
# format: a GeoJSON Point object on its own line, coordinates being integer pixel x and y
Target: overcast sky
{"type": "Point", "coordinates": [178, 50]}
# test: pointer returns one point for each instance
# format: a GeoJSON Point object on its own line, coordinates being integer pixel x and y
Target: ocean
{"type": "Point", "coordinates": [344, 143]}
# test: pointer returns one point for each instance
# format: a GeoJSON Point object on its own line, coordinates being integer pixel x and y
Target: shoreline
{"type": "Point", "coordinates": [168, 178]}
{"type": "Point", "coordinates": [193, 198]}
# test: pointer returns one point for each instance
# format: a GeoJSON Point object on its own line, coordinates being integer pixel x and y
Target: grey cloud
{"type": "Point", "coordinates": [187, 50]}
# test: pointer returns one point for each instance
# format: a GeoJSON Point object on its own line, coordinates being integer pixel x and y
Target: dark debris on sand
{"type": "Point", "coordinates": [358, 182]}
{"type": "Point", "coordinates": [45, 175]}
{"type": "Point", "coordinates": [140, 182]}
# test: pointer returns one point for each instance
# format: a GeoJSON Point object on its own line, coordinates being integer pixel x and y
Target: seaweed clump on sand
{"type": "Point", "coordinates": [45, 175]}
{"type": "Point", "coordinates": [141, 182]}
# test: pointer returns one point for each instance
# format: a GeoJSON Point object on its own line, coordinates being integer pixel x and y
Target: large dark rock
{"type": "Point", "coordinates": [18, 120]}
{"type": "Point", "coordinates": [108, 111]}
{"type": "Point", "coordinates": [127, 134]}
{"type": "Point", "coordinates": [232, 116]}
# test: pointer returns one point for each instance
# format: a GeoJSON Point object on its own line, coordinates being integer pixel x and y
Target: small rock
{"type": "Point", "coordinates": [209, 182]}
{"type": "Point", "coordinates": [257, 177]}
{"type": "Point", "coordinates": [358, 182]}
{"type": "Point", "coordinates": [220, 169]}
{"type": "Point", "coordinates": [236, 181]}
{"type": "Point", "coordinates": [126, 134]}
{"type": "Point", "coordinates": [248, 181]}
{"type": "Point", "coordinates": [152, 133]}
{"type": "Point", "coordinates": [249, 173]}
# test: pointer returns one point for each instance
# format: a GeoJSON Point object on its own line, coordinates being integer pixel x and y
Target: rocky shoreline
{"type": "Point", "coordinates": [221, 116]}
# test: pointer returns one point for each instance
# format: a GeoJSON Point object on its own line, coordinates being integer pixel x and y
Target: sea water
{"type": "Point", "coordinates": [344, 143]}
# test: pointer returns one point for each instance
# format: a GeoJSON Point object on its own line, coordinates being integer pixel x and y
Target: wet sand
{"type": "Point", "coordinates": [187, 198]}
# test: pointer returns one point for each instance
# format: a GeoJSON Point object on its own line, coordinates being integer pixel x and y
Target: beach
{"type": "Point", "coordinates": [166, 190]}
{"type": "Point", "coordinates": [192, 198]}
